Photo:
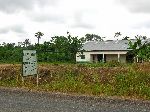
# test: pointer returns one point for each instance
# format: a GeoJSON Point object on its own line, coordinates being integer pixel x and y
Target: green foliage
{"type": "Point", "coordinates": [58, 49]}
{"type": "Point", "coordinates": [140, 48]}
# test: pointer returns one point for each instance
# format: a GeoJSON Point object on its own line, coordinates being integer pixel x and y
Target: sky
{"type": "Point", "coordinates": [21, 19]}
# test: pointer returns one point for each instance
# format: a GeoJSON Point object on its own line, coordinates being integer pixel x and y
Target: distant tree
{"type": "Point", "coordinates": [39, 35]}
{"type": "Point", "coordinates": [4, 43]}
{"type": "Point", "coordinates": [117, 34]}
{"type": "Point", "coordinates": [89, 37]}
{"type": "Point", "coordinates": [27, 42]}
{"type": "Point", "coordinates": [126, 38]}
{"type": "Point", "coordinates": [19, 44]}
{"type": "Point", "coordinates": [83, 40]}
{"type": "Point", "coordinates": [93, 37]}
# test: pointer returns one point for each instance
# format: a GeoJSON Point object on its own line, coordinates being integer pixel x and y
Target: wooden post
{"type": "Point", "coordinates": [37, 80]}
{"type": "Point", "coordinates": [22, 78]}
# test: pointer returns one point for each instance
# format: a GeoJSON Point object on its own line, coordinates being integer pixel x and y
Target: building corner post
{"type": "Point", "coordinates": [103, 58]}
{"type": "Point", "coordinates": [118, 57]}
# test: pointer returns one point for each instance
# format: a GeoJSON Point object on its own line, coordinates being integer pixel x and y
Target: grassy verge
{"type": "Point", "coordinates": [125, 81]}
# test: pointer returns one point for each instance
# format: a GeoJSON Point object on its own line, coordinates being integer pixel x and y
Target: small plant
{"type": "Point", "coordinates": [113, 63]}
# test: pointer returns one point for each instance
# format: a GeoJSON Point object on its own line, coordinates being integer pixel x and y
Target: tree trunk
{"type": "Point", "coordinates": [38, 40]}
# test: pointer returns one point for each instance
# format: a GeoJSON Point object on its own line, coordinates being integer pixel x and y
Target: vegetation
{"type": "Point", "coordinates": [64, 48]}
{"type": "Point", "coordinates": [57, 49]}
{"type": "Point", "coordinates": [93, 37]}
{"type": "Point", "coordinates": [140, 48]}
{"type": "Point", "coordinates": [128, 81]}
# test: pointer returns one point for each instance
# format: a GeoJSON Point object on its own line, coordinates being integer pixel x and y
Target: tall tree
{"type": "Point", "coordinates": [39, 35]}
{"type": "Point", "coordinates": [65, 48]}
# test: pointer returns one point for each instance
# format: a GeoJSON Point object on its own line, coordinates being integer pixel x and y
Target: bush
{"type": "Point", "coordinates": [114, 63]}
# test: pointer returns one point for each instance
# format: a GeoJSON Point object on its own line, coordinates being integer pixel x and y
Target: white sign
{"type": "Point", "coordinates": [29, 62]}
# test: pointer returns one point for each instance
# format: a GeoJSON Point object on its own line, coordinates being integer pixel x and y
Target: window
{"type": "Point", "coordinates": [82, 56]}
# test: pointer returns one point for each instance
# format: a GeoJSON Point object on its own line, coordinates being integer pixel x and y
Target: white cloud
{"type": "Point", "coordinates": [138, 6]}
{"type": "Point", "coordinates": [11, 6]}
{"type": "Point", "coordinates": [42, 16]}
{"type": "Point", "coordinates": [16, 29]}
{"type": "Point", "coordinates": [22, 18]}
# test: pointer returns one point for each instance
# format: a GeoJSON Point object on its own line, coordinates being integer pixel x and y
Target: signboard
{"type": "Point", "coordinates": [29, 62]}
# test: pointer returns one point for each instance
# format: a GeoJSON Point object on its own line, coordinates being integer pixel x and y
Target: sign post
{"type": "Point", "coordinates": [29, 64]}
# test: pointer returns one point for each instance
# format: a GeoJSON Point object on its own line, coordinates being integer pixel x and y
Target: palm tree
{"type": "Point", "coordinates": [125, 38]}
{"type": "Point", "coordinates": [117, 34]}
{"type": "Point", "coordinates": [38, 35]}
{"type": "Point", "coordinates": [26, 42]}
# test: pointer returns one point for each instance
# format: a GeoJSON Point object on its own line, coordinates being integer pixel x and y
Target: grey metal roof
{"type": "Point", "coordinates": [119, 45]}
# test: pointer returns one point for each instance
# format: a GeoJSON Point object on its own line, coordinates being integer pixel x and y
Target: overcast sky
{"type": "Point", "coordinates": [21, 19]}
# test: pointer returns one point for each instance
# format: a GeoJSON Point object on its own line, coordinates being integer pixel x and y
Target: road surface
{"type": "Point", "coordinates": [16, 100]}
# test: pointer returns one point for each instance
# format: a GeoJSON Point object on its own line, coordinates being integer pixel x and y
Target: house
{"type": "Point", "coordinates": [105, 51]}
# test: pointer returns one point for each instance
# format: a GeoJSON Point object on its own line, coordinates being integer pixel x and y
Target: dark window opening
{"type": "Point", "coordinates": [100, 58]}
{"type": "Point", "coordinates": [82, 56]}
{"type": "Point", "coordinates": [130, 58]}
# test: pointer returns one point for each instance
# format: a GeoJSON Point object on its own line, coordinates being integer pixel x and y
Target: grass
{"type": "Point", "coordinates": [130, 80]}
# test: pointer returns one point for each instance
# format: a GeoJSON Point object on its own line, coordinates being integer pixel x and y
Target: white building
{"type": "Point", "coordinates": [104, 51]}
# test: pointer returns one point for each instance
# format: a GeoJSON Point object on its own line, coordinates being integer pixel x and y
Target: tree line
{"type": "Point", "coordinates": [57, 49]}
{"type": "Point", "coordinates": [64, 48]}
